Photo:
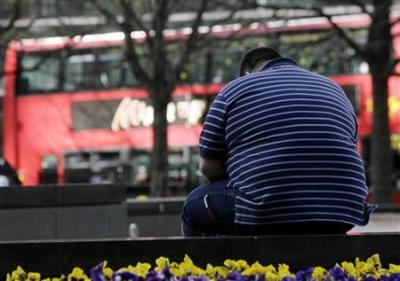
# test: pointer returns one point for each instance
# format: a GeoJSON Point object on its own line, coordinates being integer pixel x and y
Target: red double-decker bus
{"type": "Point", "coordinates": [73, 111]}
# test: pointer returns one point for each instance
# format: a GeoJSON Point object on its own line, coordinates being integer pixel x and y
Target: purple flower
{"type": "Point", "coordinates": [395, 277]}
{"type": "Point", "coordinates": [369, 278]}
{"type": "Point", "coordinates": [260, 278]}
{"type": "Point", "coordinates": [201, 278]}
{"type": "Point", "coordinates": [167, 274]}
{"type": "Point", "coordinates": [164, 275]}
{"type": "Point", "coordinates": [96, 273]}
{"type": "Point", "coordinates": [191, 278]}
{"type": "Point", "coordinates": [185, 278]}
{"type": "Point", "coordinates": [236, 276]}
{"type": "Point", "coordinates": [124, 276]}
{"type": "Point", "coordinates": [338, 274]}
{"type": "Point", "coordinates": [304, 275]}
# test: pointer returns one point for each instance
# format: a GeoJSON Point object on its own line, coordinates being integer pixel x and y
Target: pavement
{"type": "Point", "coordinates": [380, 222]}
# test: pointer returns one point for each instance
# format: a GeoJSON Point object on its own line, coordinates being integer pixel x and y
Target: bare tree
{"type": "Point", "coordinates": [7, 28]}
{"type": "Point", "coordinates": [378, 54]}
{"type": "Point", "coordinates": [159, 73]}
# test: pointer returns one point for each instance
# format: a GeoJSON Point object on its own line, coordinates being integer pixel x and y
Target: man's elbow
{"type": "Point", "coordinates": [212, 170]}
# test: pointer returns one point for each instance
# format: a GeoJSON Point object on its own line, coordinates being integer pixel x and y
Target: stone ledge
{"type": "Point", "coordinates": [56, 257]}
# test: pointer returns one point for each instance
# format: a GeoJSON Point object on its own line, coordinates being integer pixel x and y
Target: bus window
{"type": "Point", "coordinates": [129, 78]}
{"type": "Point", "coordinates": [225, 65]}
{"type": "Point", "coordinates": [39, 72]}
{"type": "Point", "coordinates": [77, 167]}
{"type": "Point", "coordinates": [93, 69]}
{"type": "Point", "coordinates": [226, 55]}
{"type": "Point", "coordinates": [48, 173]}
{"type": "Point", "coordinates": [111, 71]}
{"type": "Point", "coordinates": [140, 162]}
{"type": "Point", "coordinates": [322, 51]}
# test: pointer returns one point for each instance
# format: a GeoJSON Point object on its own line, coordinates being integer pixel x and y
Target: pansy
{"type": "Point", "coordinates": [231, 270]}
{"type": "Point", "coordinates": [319, 273]}
{"type": "Point", "coordinates": [350, 269]}
{"type": "Point", "coordinates": [141, 269]}
{"type": "Point", "coordinates": [124, 276]}
{"type": "Point", "coordinates": [284, 273]}
{"type": "Point", "coordinates": [17, 275]}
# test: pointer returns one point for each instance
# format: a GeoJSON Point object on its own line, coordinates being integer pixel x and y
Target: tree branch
{"type": "Point", "coordinates": [15, 16]}
{"type": "Point", "coordinates": [161, 66]}
{"type": "Point", "coordinates": [130, 51]}
{"type": "Point", "coordinates": [342, 34]}
{"type": "Point", "coordinates": [105, 12]}
{"type": "Point", "coordinates": [191, 40]}
{"type": "Point", "coordinates": [362, 6]}
{"type": "Point", "coordinates": [130, 14]}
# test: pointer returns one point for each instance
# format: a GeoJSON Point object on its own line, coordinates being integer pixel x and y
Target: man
{"type": "Point", "coordinates": [278, 148]}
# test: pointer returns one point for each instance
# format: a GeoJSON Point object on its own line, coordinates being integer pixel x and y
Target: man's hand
{"type": "Point", "coordinates": [212, 169]}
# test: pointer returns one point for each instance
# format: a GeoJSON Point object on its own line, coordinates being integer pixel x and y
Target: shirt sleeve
{"type": "Point", "coordinates": [212, 137]}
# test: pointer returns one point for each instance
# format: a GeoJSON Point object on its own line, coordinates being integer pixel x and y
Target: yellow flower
{"type": "Point", "coordinates": [77, 274]}
{"type": "Point", "coordinates": [141, 269]}
{"type": "Point", "coordinates": [271, 276]}
{"type": "Point", "coordinates": [161, 262]}
{"type": "Point", "coordinates": [61, 278]}
{"type": "Point", "coordinates": [236, 265]}
{"type": "Point", "coordinates": [394, 268]}
{"type": "Point", "coordinates": [319, 273]}
{"type": "Point", "coordinates": [258, 269]}
{"type": "Point", "coordinates": [33, 276]}
{"type": "Point", "coordinates": [255, 269]}
{"type": "Point", "coordinates": [107, 272]}
{"type": "Point", "coordinates": [284, 271]}
{"type": "Point", "coordinates": [232, 265]}
{"type": "Point", "coordinates": [176, 270]}
{"type": "Point", "coordinates": [378, 270]}
{"type": "Point", "coordinates": [349, 269]}
{"type": "Point", "coordinates": [18, 275]}
{"type": "Point", "coordinates": [190, 268]}
{"type": "Point", "coordinates": [243, 264]}
{"type": "Point", "coordinates": [212, 272]}
{"type": "Point", "coordinates": [222, 271]}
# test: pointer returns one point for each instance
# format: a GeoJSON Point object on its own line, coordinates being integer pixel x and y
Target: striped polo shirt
{"type": "Point", "coordinates": [288, 137]}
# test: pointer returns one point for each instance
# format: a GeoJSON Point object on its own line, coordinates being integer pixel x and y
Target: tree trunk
{"type": "Point", "coordinates": [379, 48]}
{"type": "Point", "coordinates": [159, 173]}
{"type": "Point", "coordinates": [382, 181]}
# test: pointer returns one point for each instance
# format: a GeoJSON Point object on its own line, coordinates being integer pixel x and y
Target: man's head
{"type": "Point", "coordinates": [255, 59]}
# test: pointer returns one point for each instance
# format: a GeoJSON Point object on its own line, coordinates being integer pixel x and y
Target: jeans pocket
{"type": "Point", "coordinates": [221, 215]}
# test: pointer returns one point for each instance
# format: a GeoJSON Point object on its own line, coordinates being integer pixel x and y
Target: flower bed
{"type": "Point", "coordinates": [231, 270]}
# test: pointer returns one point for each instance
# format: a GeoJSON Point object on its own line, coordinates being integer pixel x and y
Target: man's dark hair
{"type": "Point", "coordinates": [254, 56]}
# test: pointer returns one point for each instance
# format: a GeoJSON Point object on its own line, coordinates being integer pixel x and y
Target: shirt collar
{"type": "Point", "coordinates": [279, 62]}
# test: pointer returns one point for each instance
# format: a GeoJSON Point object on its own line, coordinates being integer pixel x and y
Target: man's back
{"type": "Point", "coordinates": [290, 137]}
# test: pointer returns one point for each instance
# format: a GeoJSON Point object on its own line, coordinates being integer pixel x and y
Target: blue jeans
{"type": "Point", "coordinates": [209, 210]}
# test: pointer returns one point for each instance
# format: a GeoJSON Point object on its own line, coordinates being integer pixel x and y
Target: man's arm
{"type": "Point", "coordinates": [212, 147]}
{"type": "Point", "coordinates": [212, 169]}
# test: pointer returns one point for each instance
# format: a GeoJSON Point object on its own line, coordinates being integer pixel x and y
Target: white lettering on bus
{"type": "Point", "coordinates": [137, 113]}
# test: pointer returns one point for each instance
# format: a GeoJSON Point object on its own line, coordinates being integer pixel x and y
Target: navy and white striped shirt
{"type": "Point", "coordinates": [289, 139]}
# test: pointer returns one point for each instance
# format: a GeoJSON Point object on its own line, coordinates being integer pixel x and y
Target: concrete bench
{"type": "Point", "coordinates": [300, 252]}
{"type": "Point", "coordinates": [63, 212]}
